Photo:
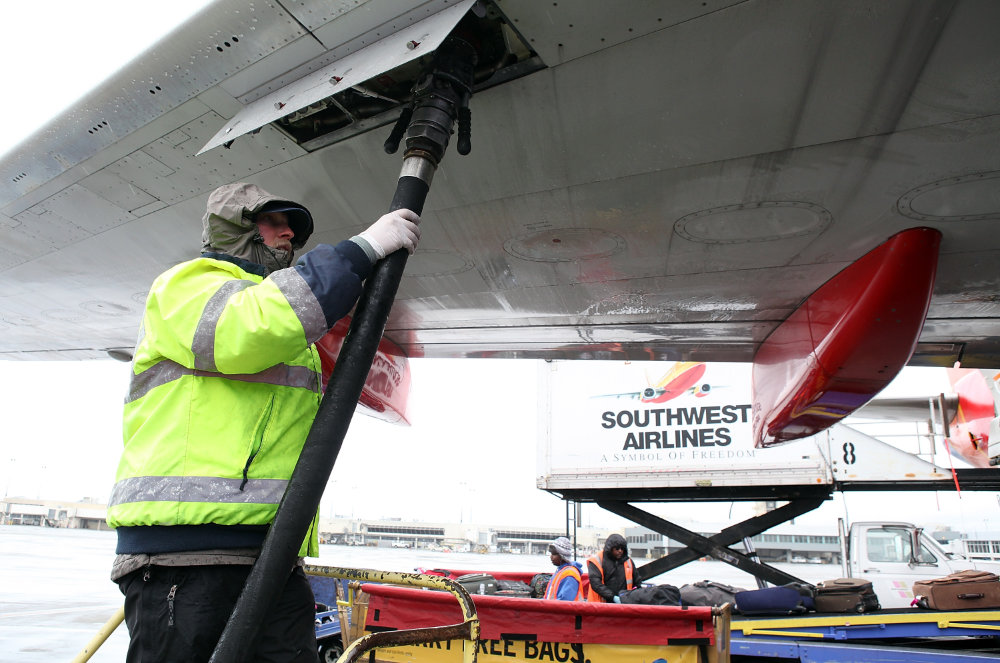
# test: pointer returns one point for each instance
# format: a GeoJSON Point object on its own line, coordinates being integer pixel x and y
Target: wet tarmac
{"type": "Point", "coordinates": [55, 593]}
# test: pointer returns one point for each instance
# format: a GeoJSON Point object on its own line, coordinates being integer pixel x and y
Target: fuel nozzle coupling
{"type": "Point", "coordinates": [441, 97]}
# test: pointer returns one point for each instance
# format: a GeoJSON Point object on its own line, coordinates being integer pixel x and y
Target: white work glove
{"type": "Point", "coordinates": [394, 231]}
{"type": "Point", "coordinates": [617, 599]}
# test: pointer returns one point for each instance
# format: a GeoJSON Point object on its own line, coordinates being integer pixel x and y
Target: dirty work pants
{"type": "Point", "coordinates": [177, 613]}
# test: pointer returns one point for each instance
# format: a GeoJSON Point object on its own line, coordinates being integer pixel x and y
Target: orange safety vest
{"type": "Point", "coordinates": [598, 561]}
{"type": "Point", "coordinates": [568, 571]}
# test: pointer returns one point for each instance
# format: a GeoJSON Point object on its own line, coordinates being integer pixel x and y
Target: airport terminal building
{"type": "Point", "coordinates": [783, 543]}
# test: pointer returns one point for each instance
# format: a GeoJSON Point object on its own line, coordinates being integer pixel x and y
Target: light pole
{"type": "Point", "coordinates": [463, 485]}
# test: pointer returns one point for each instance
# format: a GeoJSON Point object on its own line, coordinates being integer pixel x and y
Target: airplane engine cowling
{"type": "Point", "coordinates": [846, 342]}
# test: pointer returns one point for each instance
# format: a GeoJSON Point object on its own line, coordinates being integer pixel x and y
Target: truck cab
{"type": "Point", "coordinates": [894, 555]}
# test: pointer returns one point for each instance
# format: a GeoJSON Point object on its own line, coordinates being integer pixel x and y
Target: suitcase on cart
{"type": "Point", "coordinates": [478, 583]}
{"type": "Point", "coordinates": [960, 591]}
{"type": "Point", "coordinates": [791, 599]}
{"type": "Point", "coordinates": [846, 595]}
{"type": "Point", "coordinates": [513, 588]}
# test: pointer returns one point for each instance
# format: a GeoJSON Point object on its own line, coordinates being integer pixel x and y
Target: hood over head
{"type": "Point", "coordinates": [615, 541]}
{"type": "Point", "coordinates": [229, 228]}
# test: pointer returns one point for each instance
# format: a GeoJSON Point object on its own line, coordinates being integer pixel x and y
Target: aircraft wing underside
{"type": "Point", "coordinates": [647, 180]}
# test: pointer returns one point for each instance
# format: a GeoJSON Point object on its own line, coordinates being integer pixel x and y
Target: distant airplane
{"type": "Point", "coordinates": [970, 428]}
{"type": "Point", "coordinates": [968, 417]}
{"type": "Point", "coordinates": [681, 378]}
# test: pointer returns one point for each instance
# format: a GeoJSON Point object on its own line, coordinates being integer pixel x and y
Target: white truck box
{"type": "Point", "coordinates": [600, 428]}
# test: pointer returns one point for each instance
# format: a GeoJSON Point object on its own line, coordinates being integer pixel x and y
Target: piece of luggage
{"type": "Point", "coordinates": [654, 595]}
{"type": "Point", "coordinates": [846, 595]}
{"type": "Point", "coordinates": [478, 583]}
{"type": "Point", "coordinates": [539, 582]}
{"type": "Point", "coordinates": [513, 588]}
{"type": "Point", "coordinates": [708, 593]}
{"type": "Point", "coordinates": [791, 599]}
{"type": "Point", "coordinates": [959, 591]}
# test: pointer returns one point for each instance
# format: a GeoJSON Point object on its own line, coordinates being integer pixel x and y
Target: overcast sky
{"type": "Point", "coordinates": [471, 452]}
{"type": "Point", "coordinates": [54, 52]}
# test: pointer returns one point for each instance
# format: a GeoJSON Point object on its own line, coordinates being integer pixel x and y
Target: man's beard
{"type": "Point", "coordinates": [270, 258]}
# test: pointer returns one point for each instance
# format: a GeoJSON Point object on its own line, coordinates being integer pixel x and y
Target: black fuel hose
{"type": "Point", "coordinates": [440, 94]}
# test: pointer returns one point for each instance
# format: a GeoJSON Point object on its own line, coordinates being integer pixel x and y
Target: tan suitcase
{"type": "Point", "coordinates": [960, 591]}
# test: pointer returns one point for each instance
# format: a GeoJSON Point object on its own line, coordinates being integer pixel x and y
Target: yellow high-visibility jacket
{"type": "Point", "coordinates": [225, 387]}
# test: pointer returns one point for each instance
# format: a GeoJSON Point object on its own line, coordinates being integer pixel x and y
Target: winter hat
{"type": "Point", "coordinates": [562, 547]}
{"type": "Point", "coordinates": [299, 219]}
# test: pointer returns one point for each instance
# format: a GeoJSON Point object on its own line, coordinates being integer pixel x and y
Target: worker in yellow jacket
{"type": "Point", "coordinates": [225, 385]}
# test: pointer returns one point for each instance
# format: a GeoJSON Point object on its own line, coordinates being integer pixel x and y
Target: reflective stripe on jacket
{"type": "Point", "coordinates": [566, 571]}
{"type": "Point", "coordinates": [598, 561]}
{"type": "Point", "coordinates": [225, 387]}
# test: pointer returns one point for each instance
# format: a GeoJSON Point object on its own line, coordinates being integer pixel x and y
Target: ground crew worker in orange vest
{"type": "Point", "coordinates": [566, 583]}
{"type": "Point", "coordinates": [611, 571]}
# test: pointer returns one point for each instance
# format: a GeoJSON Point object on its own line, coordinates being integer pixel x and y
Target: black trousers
{"type": "Point", "coordinates": [177, 613]}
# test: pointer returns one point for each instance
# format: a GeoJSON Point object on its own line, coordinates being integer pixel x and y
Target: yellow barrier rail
{"type": "Point", "coordinates": [787, 634]}
{"type": "Point", "coordinates": [468, 630]}
{"type": "Point", "coordinates": [969, 625]}
{"type": "Point", "coordinates": [102, 634]}
{"type": "Point", "coordinates": [942, 619]}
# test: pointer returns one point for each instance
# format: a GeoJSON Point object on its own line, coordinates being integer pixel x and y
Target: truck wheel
{"type": "Point", "coordinates": [329, 652]}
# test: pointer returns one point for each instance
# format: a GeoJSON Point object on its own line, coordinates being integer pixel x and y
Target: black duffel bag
{"type": "Point", "coordinates": [653, 595]}
{"type": "Point", "coordinates": [707, 592]}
